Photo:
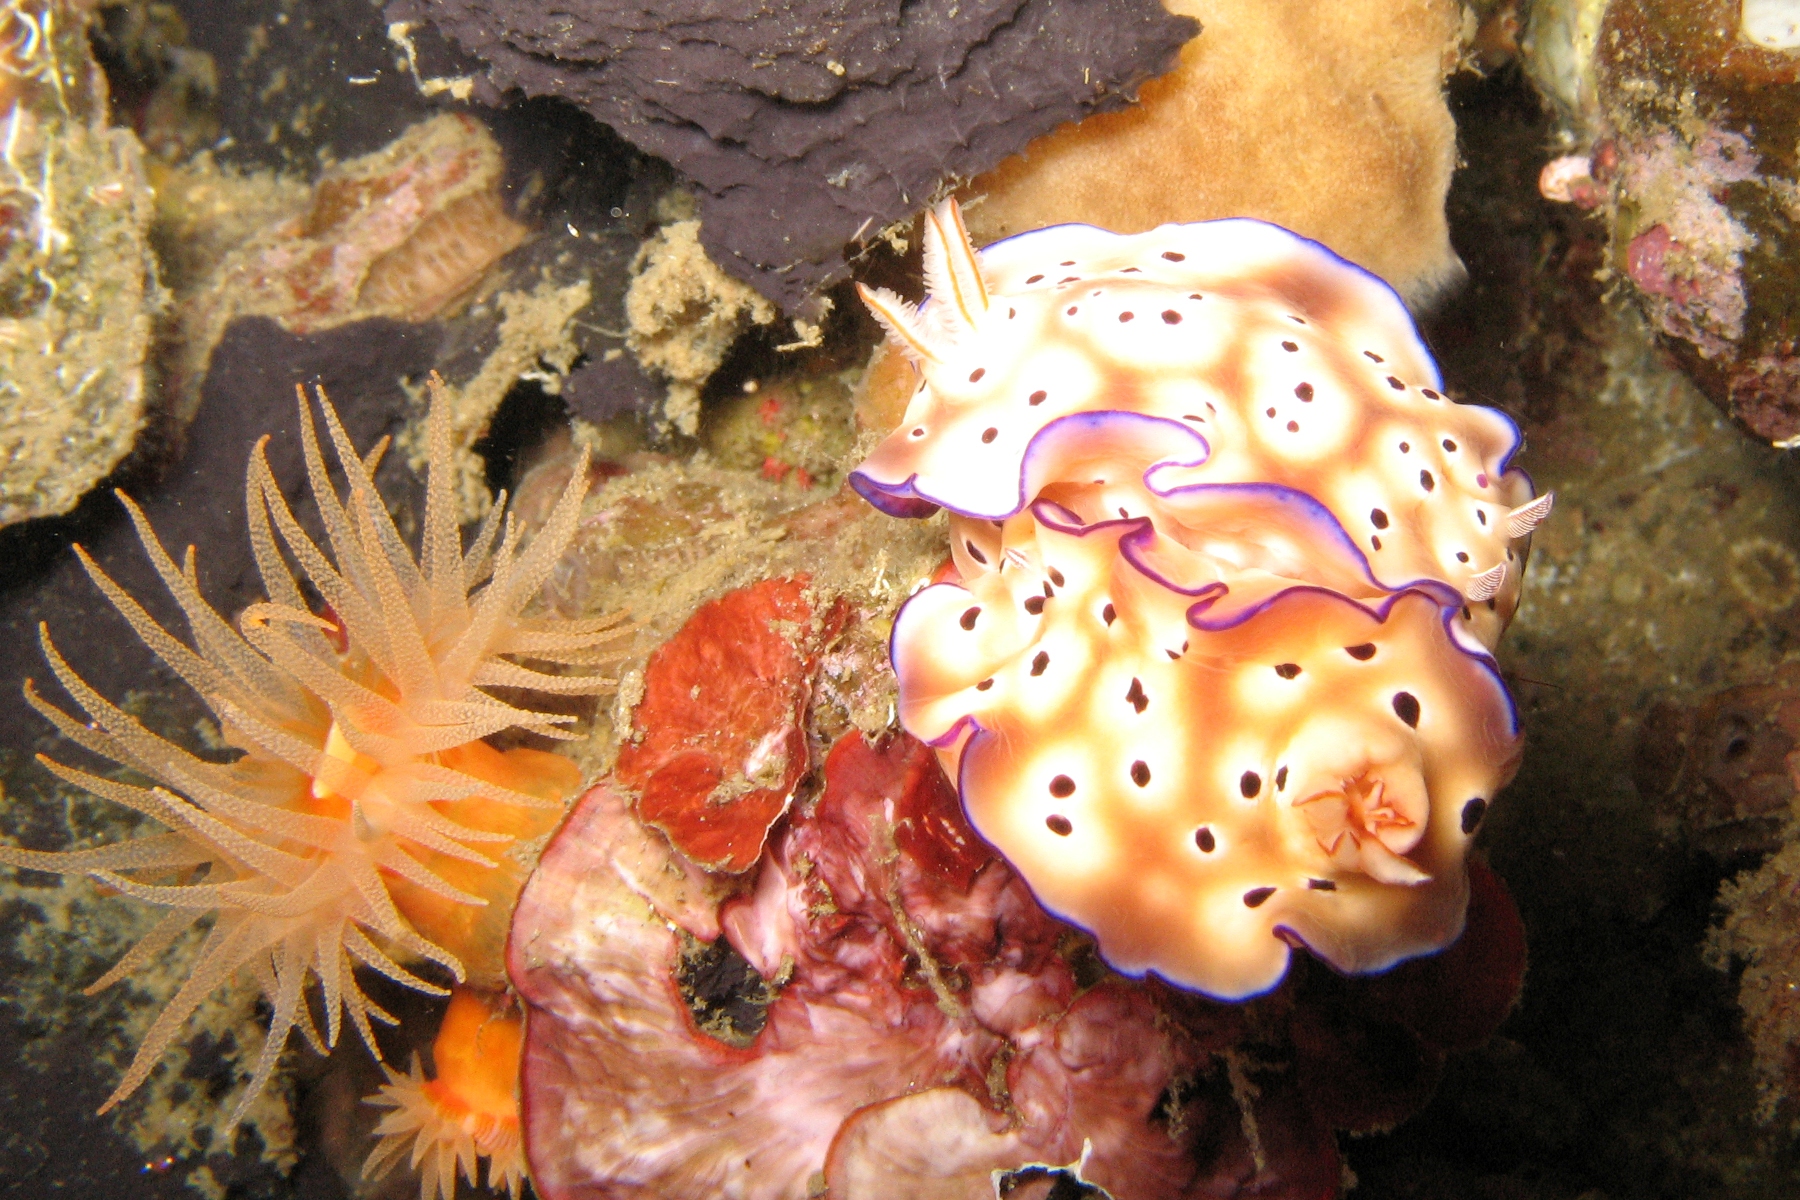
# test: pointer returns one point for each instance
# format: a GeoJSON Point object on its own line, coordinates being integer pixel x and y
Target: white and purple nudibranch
{"type": "Point", "coordinates": [1217, 674]}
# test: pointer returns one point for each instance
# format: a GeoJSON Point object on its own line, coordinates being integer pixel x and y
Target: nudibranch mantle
{"type": "Point", "coordinates": [1263, 357]}
{"type": "Point", "coordinates": [1215, 672]}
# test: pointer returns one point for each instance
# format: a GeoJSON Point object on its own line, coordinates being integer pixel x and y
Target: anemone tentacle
{"type": "Point", "coordinates": [354, 805]}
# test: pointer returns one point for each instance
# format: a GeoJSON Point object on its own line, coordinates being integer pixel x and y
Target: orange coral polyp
{"type": "Point", "coordinates": [477, 1058]}
{"type": "Point", "coordinates": [323, 798]}
{"type": "Point", "coordinates": [365, 822]}
{"type": "Point", "coordinates": [468, 1110]}
{"type": "Point", "coordinates": [476, 933]}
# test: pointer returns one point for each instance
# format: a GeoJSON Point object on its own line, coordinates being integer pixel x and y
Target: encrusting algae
{"type": "Point", "coordinates": [365, 821]}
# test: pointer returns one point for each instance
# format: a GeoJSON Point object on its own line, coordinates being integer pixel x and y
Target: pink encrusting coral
{"type": "Point", "coordinates": [926, 1030]}
{"type": "Point", "coordinates": [879, 1007]}
{"type": "Point", "coordinates": [1216, 673]}
{"type": "Point", "coordinates": [1687, 258]}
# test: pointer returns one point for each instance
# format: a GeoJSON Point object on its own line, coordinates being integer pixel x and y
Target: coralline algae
{"type": "Point", "coordinates": [1684, 113]}
{"type": "Point", "coordinates": [878, 1006]}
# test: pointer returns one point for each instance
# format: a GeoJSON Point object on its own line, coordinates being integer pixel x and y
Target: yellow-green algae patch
{"type": "Point", "coordinates": [57, 935]}
{"type": "Point", "coordinates": [77, 281]}
{"type": "Point", "coordinates": [684, 314]}
{"type": "Point", "coordinates": [790, 429]}
{"type": "Point", "coordinates": [1659, 575]}
{"type": "Point", "coordinates": [668, 535]}
{"type": "Point", "coordinates": [536, 342]}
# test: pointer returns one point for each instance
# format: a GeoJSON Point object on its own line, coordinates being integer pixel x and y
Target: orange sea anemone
{"type": "Point", "coordinates": [468, 1110]}
{"type": "Point", "coordinates": [365, 821]}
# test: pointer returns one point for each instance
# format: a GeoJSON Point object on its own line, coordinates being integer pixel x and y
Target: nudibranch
{"type": "Point", "coordinates": [1215, 671]}
{"type": "Point", "coordinates": [365, 821]}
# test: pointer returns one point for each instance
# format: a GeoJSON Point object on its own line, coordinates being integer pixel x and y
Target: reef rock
{"type": "Point", "coordinates": [1718, 770]}
{"type": "Point", "coordinates": [400, 233]}
{"type": "Point", "coordinates": [1724, 773]}
{"type": "Point", "coordinates": [812, 126]}
{"type": "Point", "coordinates": [77, 281]}
{"type": "Point", "coordinates": [1687, 149]}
